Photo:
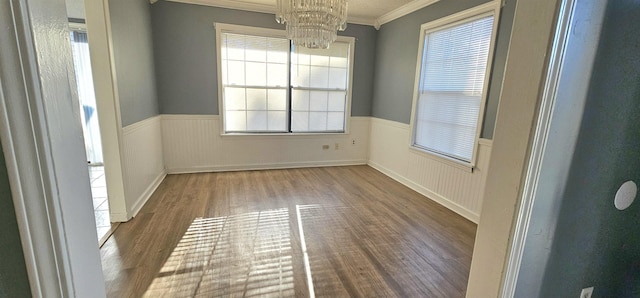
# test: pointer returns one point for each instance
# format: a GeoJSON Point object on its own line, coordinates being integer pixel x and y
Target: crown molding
{"type": "Point", "coordinates": [402, 11]}
{"type": "Point", "coordinates": [361, 21]}
{"type": "Point", "coordinates": [232, 5]}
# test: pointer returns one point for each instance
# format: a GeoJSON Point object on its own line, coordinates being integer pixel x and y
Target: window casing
{"type": "Point", "coordinates": [451, 81]}
{"type": "Point", "coordinates": [267, 86]}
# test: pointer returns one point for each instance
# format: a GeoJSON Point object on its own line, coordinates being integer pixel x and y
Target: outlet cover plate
{"type": "Point", "coordinates": [586, 292]}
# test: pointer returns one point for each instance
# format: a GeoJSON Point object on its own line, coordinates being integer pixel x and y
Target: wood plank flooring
{"type": "Point", "coordinates": [331, 232]}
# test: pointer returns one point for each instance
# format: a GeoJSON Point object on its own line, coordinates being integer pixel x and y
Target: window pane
{"type": "Point", "coordinates": [335, 121]}
{"type": "Point", "coordinates": [300, 75]}
{"type": "Point", "coordinates": [299, 121]}
{"type": "Point", "coordinates": [318, 121]}
{"type": "Point", "coordinates": [277, 75]}
{"type": "Point", "coordinates": [277, 121]}
{"type": "Point", "coordinates": [318, 101]}
{"type": "Point", "coordinates": [234, 99]}
{"type": "Point", "coordinates": [235, 121]}
{"type": "Point", "coordinates": [337, 78]}
{"type": "Point", "coordinates": [234, 73]}
{"type": "Point", "coordinates": [256, 99]}
{"type": "Point", "coordinates": [337, 101]}
{"type": "Point", "coordinates": [256, 120]}
{"type": "Point", "coordinates": [452, 74]}
{"type": "Point", "coordinates": [300, 100]}
{"type": "Point", "coordinates": [319, 77]}
{"type": "Point", "coordinates": [277, 100]}
{"type": "Point", "coordinates": [254, 61]}
{"type": "Point", "coordinates": [257, 72]}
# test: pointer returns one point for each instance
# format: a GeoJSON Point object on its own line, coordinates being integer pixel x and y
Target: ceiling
{"type": "Point", "coordinates": [366, 12]}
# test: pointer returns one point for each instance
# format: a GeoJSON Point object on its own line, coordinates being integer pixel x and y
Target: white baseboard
{"type": "Point", "coordinates": [146, 195]}
{"type": "Point", "coordinates": [119, 217]}
{"type": "Point", "coordinates": [427, 193]}
{"type": "Point", "coordinates": [271, 166]}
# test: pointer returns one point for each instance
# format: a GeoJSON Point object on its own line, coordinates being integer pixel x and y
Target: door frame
{"type": "Point", "coordinates": [573, 53]}
{"type": "Point", "coordinates": [43, 146]}
{"type": "Point", "coordinates": [98, 22]}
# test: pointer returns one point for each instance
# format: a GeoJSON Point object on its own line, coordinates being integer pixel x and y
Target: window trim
{"type": "Point", "coordinates": [266, 32]}
{"type": "Point", "coordinates": [478, 12]}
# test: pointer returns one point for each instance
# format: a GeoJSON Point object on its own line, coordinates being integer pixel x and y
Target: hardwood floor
{"type": "Point", "coordinates": [351, 231]}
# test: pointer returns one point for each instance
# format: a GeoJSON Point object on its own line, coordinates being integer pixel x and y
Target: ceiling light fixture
{"type": "Point", "coordinates": [312, 23]}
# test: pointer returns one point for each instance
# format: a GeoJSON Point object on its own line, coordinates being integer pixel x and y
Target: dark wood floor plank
{"type": "Point", "coordinates": [241, 234]}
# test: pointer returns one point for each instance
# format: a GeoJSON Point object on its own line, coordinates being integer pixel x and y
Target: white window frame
{"type": "Point", "coordinates": [478, 12]}
{"type": "Point", "coordinates": [248, 30]}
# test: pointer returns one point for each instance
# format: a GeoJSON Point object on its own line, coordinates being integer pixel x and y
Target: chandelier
{"type": "Point", "coordinates": [312, 23]}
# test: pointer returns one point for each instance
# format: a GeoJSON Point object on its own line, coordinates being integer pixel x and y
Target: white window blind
{"type": "Point", "coordinates": [255, 83]}
{"type": "Point", "coordinates": [451, 87]}
{"type": "Point", "coordinates": [319, 88]}
{"type": "Point", "coordinates": [270, 87]}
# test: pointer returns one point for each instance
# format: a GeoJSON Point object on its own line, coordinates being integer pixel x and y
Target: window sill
{"type": "Point", "coordinates": [462, 165]}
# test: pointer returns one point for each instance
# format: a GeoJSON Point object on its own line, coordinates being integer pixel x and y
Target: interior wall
{"type": "Point", "coordinates": [133, 54]}
{"type": "Point", "coordinates": [595, 244]}
{"type": "Point", "coordinates": [14, 281]}
{"type": "Point", "coordinates": [397, 51]}
{"type": "Point", "coordinates": [186, 67]}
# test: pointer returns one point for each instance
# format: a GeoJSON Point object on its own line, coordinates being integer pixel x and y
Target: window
{"type": "Point", "coordinates": [269, 86]}
{"type": "Point", "coordinates": [452, 76]}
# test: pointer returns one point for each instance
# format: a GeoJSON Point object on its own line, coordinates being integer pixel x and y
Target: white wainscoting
{"type": "Point", "coordinates": [456, 188]}
{"type": "Point", "coordinates": [193, 143]}
{"type": "Point", "coordinates": [144, 167]}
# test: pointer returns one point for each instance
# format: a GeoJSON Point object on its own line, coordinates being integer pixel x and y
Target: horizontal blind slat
{"type": "Point", "coordinates": [452, 75]}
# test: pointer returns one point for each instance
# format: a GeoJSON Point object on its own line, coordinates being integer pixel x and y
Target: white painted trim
{"type": "Point", "coordinates": [402, 11]}
{"type": "Point", "coordinates": [390, 123]}
{"type": "Point", "coordinates": [188, 117]}
{"type": "Point", "coordinates": [531, 40]}
{"type": "Point", "coordinates": [538, 146]}
{"type": "Point", "coordinates": [427, 193]}
{"type": "Point", "coordinates": [270, 166]}
{"type": "Point", "coordinates": [487, 9]}
{"type": "Point", "coordinates": [361, 21]}
{"type": "Point", "coordinates": [98, 22]}
{"type": "Point", "coordinates": [118, 217]}
{"type": "Point", "coordinates": [268, 9]}
{"type": "Point", "coordinates": [485, 142]}
{"type": "Point", "coordinates": [46, 167]}
{"type": "Point", "coordinates": [571, 61]}
{"type": "Point", "coordinates": [146, 195]}
{"type": "Point", "coordinates": [231, 4]}
{"type": "Point", "coordinates": [131, 128]}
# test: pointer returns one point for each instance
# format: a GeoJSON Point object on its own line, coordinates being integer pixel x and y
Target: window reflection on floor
{"type": "Point", "coordinates": [239, 255]}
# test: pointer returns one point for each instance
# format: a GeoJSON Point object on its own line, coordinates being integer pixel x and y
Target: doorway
{"type": "Point", "coordinates": [90, 127]}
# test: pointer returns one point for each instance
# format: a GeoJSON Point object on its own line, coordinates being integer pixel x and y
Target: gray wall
{"type": "Point", "coordinates": [397, 51]}
{"type": "Point", "coordinates": [594, 243]}
{"type": "Point", "coordinates": [133, 54]}
{"type": "Point", "coordinates": [14, 281]}
{"type": "Point", "coordinates": [184, 40]}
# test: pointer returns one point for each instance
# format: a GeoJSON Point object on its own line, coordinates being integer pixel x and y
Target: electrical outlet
{"type": "Point", "coordinates": [353, 141]}
{"type": "Point", "coordinates": [586, 292]}
{"type": "Point", "coordinates": [336, 146]}
{"type": "Point", "coordinates": [325, 147]}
